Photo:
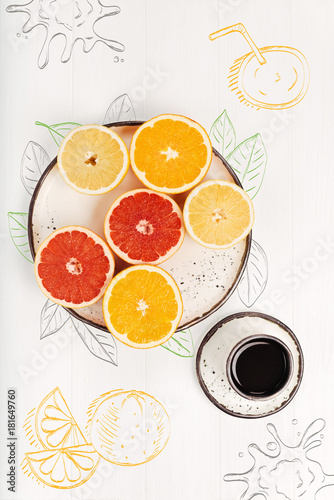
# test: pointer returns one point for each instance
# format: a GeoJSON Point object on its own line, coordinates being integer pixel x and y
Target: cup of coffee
{"type": "Point", "coordinates": [259, 367]}
{"type": "Point", "coordinates": [250, 365]}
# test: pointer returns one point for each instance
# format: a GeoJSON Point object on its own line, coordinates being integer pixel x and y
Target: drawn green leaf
{"type": "Point", "coordinates": [53, 318]}
{"type": "Point", "coordinates": [59, 130]}
{"type": "Point", "coordinates": [34, 161]}
{"type": "Point", "coordinates": [101, 344]}
{"type": "Point", "coordinates": [255, 278]}
{"type": "Point", "coordinates": [121, 109]}
{"type": "Point", "coordinates": [181, 344]}
{"type": "Point", "coordinates": [249, 161]}
{"type": "Point", "coordinates": [18, 228]}
{"type": "Point", "coordinates": [222, 135]}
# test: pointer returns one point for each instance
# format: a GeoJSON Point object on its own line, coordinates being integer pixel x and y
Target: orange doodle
{"type": "Point", "coordinates": [124, 427]}
{"type": "Point", "coordinates": [128, 427]}
{"type": "Point", "coordinates": [273, 77]}
{"type": "Point", "coordinates": [65, 459]}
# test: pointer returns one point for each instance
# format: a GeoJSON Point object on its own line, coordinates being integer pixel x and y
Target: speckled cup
{"type": "Point", "coordinates": [214, 358]}
{"type": "Point", "coordinates": [236, 349]}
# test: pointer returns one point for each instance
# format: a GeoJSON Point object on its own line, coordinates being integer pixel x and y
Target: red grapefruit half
{"type": "Point", "coordinates": [144, 227]}
{"type": "Point", "coordinates": [73, 267]}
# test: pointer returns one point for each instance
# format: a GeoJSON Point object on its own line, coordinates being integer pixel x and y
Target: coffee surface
{"type": "Point", "coordinates": [260, 367]}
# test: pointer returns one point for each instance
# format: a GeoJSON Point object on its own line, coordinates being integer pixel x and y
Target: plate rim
{"type": "Point", "coordinates": [210, 334]}
{"type": "Point", "coordinates": [89, 322]}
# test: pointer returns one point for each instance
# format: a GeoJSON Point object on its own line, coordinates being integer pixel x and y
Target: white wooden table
{"type": "Point", "coordinates": [169, 65]}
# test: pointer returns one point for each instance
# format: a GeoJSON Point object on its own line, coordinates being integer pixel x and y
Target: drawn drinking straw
{"type": "Point", "coordinates": [273, 77]}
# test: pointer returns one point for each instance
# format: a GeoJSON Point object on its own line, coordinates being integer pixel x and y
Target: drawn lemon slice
{"type": "Point", "coordinates": [128, 427]}
{"type": "Point", "coordinates": [54, 424]}
{"type": "Point", "coordinates": [63, 468]}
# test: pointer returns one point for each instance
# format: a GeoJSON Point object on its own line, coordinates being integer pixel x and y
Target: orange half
{"type": "Point", "coordinates": [142, 306]}
{"type": "Point", "coordinates": [170, 153]}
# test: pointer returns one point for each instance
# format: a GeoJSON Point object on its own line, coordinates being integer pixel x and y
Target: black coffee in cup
{"type": "Point", "coordinates": [259, 366]}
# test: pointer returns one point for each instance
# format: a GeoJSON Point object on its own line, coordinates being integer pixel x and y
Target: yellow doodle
{"type": "Point", "coordinates": [128, 427]}
{"type": "Point", "coordinates": [273, 77]}
{"type": "Point", "coordinates": [65, 459]}
{"type": "Point", "coordinates": [124, 427]}
{"type": "Point", "coordinates": [63, 468]}
{"type": "Point", "coordinates": [54, 424]}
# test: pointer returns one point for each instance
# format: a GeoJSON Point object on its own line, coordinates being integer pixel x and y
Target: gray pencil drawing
{"type": "Point", "coordinates": [34, 161]}
{"type": "Point", "coordinates": [72, 19]}
{"type": "Point", "coordinates": [285, 472]}
{"type": "Point", "coordinates": [255, 278]}
{"type": "Point", "coordinates": [18, 229]}
{"type": "Point", "coordinates": [120, 110]}
{"type": "Point", "coordinates": [248, 159]}
{"type": "Point", "coordinates": [102, 344]}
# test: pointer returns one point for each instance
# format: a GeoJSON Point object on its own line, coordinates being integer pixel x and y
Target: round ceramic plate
{"type": "Point", "coordinates": [213, 354]}
{"type": "Point", "coordinates": [206, 277]}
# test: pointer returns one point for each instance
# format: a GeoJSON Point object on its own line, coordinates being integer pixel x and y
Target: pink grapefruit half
{"type": "Point", "coordinates": [73, 267]}
{"type": "Point", "coordinates": [144, 227]}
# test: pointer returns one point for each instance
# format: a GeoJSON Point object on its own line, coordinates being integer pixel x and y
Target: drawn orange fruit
{"type": "Point", "coordinates": [142, 306]}
{"type": "Point", "coordinates": [73, 266]}
{"type": "Point", "coordinates": [93, 159]}
{"type": "Point", "coordinates": [128, 427]}
{"type": "Point", "coordinates": [218, 214]}
{"type": "Point", "coordinates": [170, 153]}
{"type": "Point", "coordinates": [65, 467]}
{"type": "Point", "coordinates": [54, 423]}
{"type": "Point", "coordinates": [144, 227]}
{"type": "Point", "coordinates": [281, 82]}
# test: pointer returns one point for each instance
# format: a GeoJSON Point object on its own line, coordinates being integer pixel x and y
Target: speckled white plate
{"type": "Point", "coordinates": [205, 277]}
{"type": "Point", "coordinates": [213, 354]}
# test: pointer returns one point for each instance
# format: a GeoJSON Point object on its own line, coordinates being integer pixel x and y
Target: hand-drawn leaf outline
{"type": "Point", "coordinates": [34, 161]}
{"type": "Point", "coordinates": [18, 224]}
{"type": "Point", "coordinates": [255, 278]}
{"type": "Point", "coordinates": [53, 318]}
{"type": "Point", "coordinates": [121, 109]}
{"type": "Point", "coordinates": [101, 344]}
{"type": "Point", "coordinates": [181, 344]}
{"type": "Point", "coordinates": [222, 135]}
{"type": "Point", "coordinates": [249, 161]}
{"type": "Point", "coordinates": [59, 130]}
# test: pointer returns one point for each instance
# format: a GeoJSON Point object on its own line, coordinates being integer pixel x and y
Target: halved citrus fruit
{"type": "Point", "coordinates": [65, 467]}
{"type": "Point", "coordinates": [93, 159]}
{"type": "Point", "coordinates": [128, 427]}
{"type": "Point", "coordinates": [54, 423]}
{"type": "Point", "coordinates": [73, 266]}
{"type": "Point", "coordinates": [143, 227]}
{"type": "Point", "coordinates": [142, 306]}
{"type": "Point", "coordinates": [170, 153]}
{"type": "Point", "coordinates": [218, 214]}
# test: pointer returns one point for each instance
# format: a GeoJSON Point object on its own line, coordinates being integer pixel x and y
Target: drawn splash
{"type": "Point", "coordinates": [285, 472]}
{"type": "Point", "coordinates": [74, 20]}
